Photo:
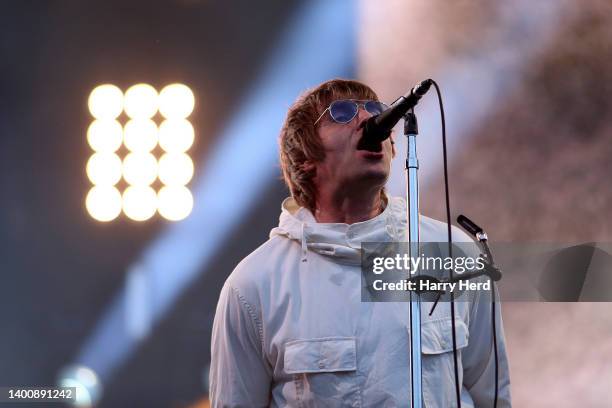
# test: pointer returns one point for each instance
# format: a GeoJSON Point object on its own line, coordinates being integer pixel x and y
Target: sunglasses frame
{"type": "Point", "coordinates": [357, 103]}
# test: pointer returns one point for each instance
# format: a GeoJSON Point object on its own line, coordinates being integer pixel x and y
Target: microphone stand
{"type": "Point", "coordinates": [412, 214]}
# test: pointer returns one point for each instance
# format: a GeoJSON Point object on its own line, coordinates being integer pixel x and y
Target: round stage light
{"type": "Point", "coordinates": [175, 169]}
{"type": "Point", "coordinates": [103, 203]}
{"type": "Point", "coordinates": [176, 101]}
{"type": "Point", "coordinates": [141, 101]}
{"type": "Point", "coordinates": [176, 135]}
{"type": "Point", "coordinates": [85, 381]}
{"type": "Point", "coordinates": [140, 168]}
{"type": "Point", "coordinates": [174, 202]}
{"type": "Point", "coordinates": [105, 102]}
{"type": "Point", "coordinates": [140, 135]}
{"type": "Point", "coordinates": [104, 135]}
{"type": "Point", "coordinates": [104, 169]}
{"type": "Point", "coordinates": [139, 202]}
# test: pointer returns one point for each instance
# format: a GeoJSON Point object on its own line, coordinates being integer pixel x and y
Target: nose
{"type": "Point", "coordinates": [362, 115]}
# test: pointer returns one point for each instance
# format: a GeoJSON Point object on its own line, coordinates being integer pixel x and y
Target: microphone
{"type": "Point", "coordinates": [378, 127]}
{"type": "Point", "coordinates": [469, 225]}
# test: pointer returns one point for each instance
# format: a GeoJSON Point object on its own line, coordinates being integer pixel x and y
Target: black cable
{"type": "Point", "coordinates": [493, 323]}
{"type": "Point", "coordinates": [450, 245]}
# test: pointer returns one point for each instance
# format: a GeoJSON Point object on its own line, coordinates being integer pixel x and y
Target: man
{"type": "Point", "coordinates": [290, 327]}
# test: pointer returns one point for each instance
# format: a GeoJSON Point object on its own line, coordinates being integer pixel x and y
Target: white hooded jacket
{"type": "Point", "coordinates": [291, 330]}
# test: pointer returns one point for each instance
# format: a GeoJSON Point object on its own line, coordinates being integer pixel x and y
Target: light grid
{"type": "Point", "coordinates": [128, 152]}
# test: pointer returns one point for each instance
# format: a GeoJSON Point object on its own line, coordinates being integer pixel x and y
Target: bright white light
{"type": "Point", "coordinates": [82, 397]}
{"type": "Point", "coordinates": [105, 102]}
{"type": "Point", "coordinates": [103, 203]}
{"type": "Point", "coordinates": [174, 202]}
{"type": "Point", "coordinates": [139, 202]}
{"type": "Point", "coordinates": [139, 168]}
{"type": "Point", "coordinates": [175, 169]}
{"type": "Point", "coordinates": [104, 135]}
{"type": "Point", "coordinates": [176, 135]}
{"type": "Point", "coordinates": [176, 101]}
{"type": "Point", "coordinates": [140, 135]}
{"type": "Point", "coordinates": [141, 101]}
{"type": "Point", "coordinates": [86, 382]}
{"type": "Point", "coordinates": [104, 169]}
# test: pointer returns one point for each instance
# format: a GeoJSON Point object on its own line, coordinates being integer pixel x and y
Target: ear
{"type": "Point", "coordinates": [392, 144]}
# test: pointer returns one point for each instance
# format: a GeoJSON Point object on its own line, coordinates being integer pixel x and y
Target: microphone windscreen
{"type": "Point", "coordinates": [468, 225]}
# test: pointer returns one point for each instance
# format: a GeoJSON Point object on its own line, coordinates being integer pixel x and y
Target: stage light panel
{"type": "Point", "coordinates": [139, 166]}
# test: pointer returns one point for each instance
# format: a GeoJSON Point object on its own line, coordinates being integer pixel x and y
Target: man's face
{"type": "Point", "coordinates": [344, 163]}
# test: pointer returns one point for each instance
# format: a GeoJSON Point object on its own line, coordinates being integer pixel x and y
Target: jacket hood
{"type": "Point", "coordinates": [339, 241]}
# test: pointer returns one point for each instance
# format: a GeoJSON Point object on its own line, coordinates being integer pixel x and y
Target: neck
{"type": "Point", "coordinates": [348, 207]}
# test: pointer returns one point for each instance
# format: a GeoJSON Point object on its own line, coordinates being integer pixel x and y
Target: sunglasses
{"type": "Point", "coordinates": [345, 110]}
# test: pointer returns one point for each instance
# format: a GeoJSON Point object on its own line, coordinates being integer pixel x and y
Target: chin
{"type": "Point", "coordinates": [374, 176]}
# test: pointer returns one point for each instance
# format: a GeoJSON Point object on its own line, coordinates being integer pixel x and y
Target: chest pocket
{"type": "Point", "coordinates": [324, 371]}
{"type": "Point", "coordinates": [438, 362]}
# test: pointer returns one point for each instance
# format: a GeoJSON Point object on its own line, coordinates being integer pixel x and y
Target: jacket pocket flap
{"type": "Point", "coordinates": [437, 336]}
{"type": "Point", "coordinates": [321, 355]}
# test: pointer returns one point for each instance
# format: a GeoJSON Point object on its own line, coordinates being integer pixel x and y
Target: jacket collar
{"type": "Point", "coordinates": [340, 241]}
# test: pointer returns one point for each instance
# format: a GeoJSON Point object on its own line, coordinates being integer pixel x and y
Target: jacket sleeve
{"type": "Point", "coordinates": [479, 356]}
{"type": "Point", "coordinates": [239, 373]}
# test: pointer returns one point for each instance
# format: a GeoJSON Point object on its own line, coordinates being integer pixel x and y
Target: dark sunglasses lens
{"type": "Point", "coordinates": [343, 111]}
{"type": "Point", "coordinates": [375, 107]}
